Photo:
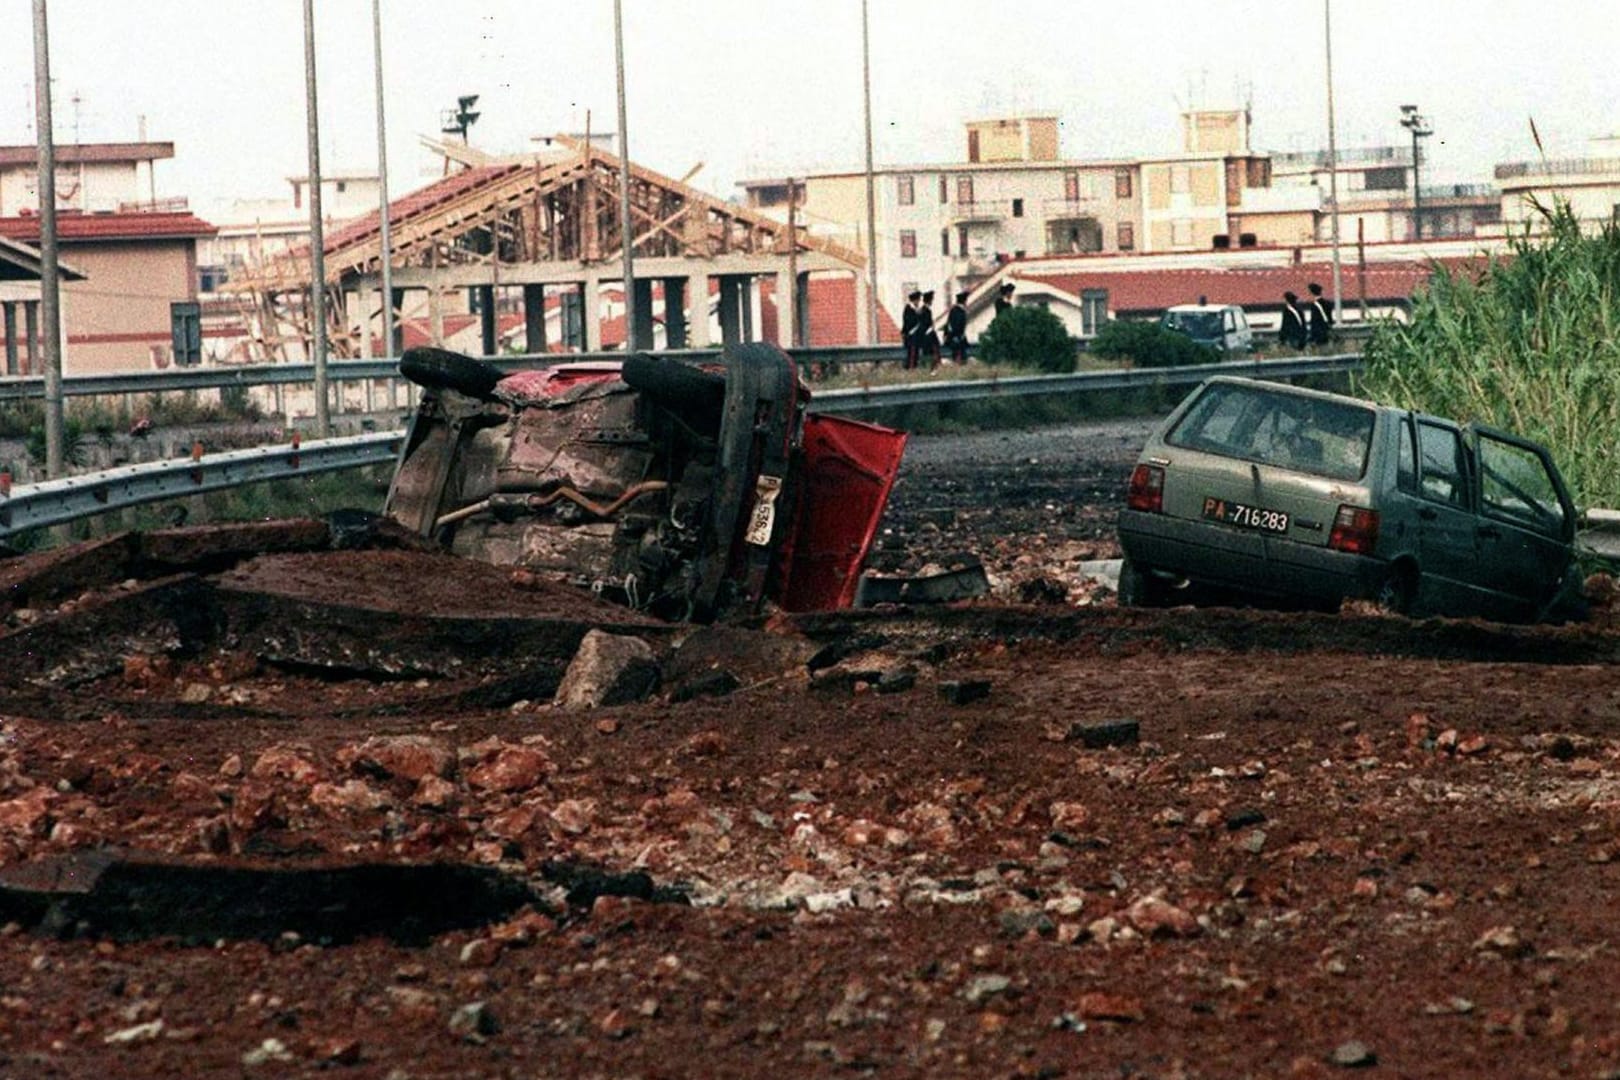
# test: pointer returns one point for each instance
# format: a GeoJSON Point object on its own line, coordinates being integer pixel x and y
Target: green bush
{"type": "Point", "coordinates": [1530, 343]}
{"type": "Point", "coordinates": [1028, 337]}
{"type": "Point", "coordinates": [1147, 344]}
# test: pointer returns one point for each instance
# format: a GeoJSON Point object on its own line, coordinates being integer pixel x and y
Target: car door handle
{"type": "Point", "coordinates": [1428, 513]}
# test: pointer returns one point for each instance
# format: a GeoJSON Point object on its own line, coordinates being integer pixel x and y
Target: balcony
{"type": "Point", "coordinates": [1071, 209]}
{"type": "Point", "coordinates": [175, 205]}
{"type": "Point", "coordinates": [965, 213]}
{"type": "Point", "coordinates": [973, 267]}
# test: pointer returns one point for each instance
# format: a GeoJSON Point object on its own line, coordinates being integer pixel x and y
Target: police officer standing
{"type": "Point", "coordinates": [908, 328]}
{"type": "Point", "coordinates": [1291, 333]}
{"type": "Point", "coordinates": [1321, 316]}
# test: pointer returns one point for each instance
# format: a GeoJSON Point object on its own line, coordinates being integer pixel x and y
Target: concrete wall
{"type": "Point", "coordinates": [79, 186]}
{"type": "Point", "coordinates": [1189, 219]}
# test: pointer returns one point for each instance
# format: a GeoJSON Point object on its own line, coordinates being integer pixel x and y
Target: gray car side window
{"type": "Point", "coordinates": [1441, 478]}
{"type": "Point", "coordinates": [1406, 459]}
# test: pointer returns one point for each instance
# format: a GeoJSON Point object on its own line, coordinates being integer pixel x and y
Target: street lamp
{"type": "Point", "coordinates": [1419, 126]}
{"type": "Point", "coordinates": [456, 121]}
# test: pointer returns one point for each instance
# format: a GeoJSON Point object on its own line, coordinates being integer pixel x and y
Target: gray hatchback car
{"type": "Point", "coordinates": [1271, 490]}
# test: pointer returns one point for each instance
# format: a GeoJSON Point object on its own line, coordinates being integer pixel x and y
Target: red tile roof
{"type": "Point", "coordinates": [418, 201]}
{"type": "Point", "coordinates": [833, 320]}
{"type": "Point", "coordinates": [1142, 291]}
{"type": "Point", "coordinates": [71, 228]}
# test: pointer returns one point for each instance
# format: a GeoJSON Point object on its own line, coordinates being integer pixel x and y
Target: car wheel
{"type": "Point", "coordinates": [441, 369]}
{"type": "Point", "coordinates": [1397, 593]}
{"type": "Point", "coordinates": [1139, 587]}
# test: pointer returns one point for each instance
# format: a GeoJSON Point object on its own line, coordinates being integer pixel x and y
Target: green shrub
{"type": "Point", "coordinates": [1028, 337]}
{"type": "Point", "coordinates": [1530, 343]}
{"type": "Point", "coordinates": [1147, 344]}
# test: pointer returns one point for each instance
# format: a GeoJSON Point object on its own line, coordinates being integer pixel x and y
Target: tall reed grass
{"type": "Point", "coordinates": [1529, 342]}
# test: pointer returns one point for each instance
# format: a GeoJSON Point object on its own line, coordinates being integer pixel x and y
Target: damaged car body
{"type": "Point", "coordinates": [688, 492]}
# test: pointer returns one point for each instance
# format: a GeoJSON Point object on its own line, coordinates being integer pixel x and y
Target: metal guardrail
{"type": "Point", "coordinates": [860, 399]}
{"type": "Point", "coordinates": [53, 502]}
{"type": "Point", "coordinates": [25, 387]}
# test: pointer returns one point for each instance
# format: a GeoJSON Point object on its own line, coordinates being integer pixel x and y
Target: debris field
{"type": "Point", "coordinates": [269, 808]}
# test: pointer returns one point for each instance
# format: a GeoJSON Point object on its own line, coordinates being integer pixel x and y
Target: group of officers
{"type": "Point", "coordinates": [1305, 324]}
{"type": "Point", "coordinates": [920, 337]}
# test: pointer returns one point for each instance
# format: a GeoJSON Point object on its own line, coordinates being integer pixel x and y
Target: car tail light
{"type": "Point", "coordinates": [1147, 489]}
{"type": "Point", "coordinates": [1354, 530]}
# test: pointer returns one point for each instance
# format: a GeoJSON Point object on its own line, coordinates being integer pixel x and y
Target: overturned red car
{"type": "Point", "coordinates": [691, 492]}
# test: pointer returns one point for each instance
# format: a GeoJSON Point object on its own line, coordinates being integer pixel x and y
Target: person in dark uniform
{"type": "Point", "coordinates": [956, 329]}
{"type": "Point", "coordinates": [1320, 313]}
{"type": "Point", "coordinates": [908, 328]}
{"type": "Point", "coordinates": [1291, 333]}
{"type": "Point", "coordinates": [1004, 297]}
{"type": "Point", "coordinates": [927, 336]}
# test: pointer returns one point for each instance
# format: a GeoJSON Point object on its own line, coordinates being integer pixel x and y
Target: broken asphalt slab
{"type": "Point", "coordinates": [135, 897]}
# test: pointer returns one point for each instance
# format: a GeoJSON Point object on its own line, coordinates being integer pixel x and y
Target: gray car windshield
{"type": "Point", "coordinates": [1292, 431]}
{"type": "Point", "coordinates": [1197, 324]}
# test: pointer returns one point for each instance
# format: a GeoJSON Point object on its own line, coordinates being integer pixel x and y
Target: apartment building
{"type": "Point", "coordinates": [136, 298]}
{"type": "Point", "coordinates": [1376, 203]}
{"type": "Point", "coordinates": [1589, 185]}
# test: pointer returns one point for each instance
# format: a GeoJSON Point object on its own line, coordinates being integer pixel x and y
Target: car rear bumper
{"type": "Point", "coordinates": [1221, 555]}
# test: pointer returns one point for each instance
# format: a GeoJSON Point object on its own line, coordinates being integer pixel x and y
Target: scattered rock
{"type": "Point", "coordinates": [608, 669]}
{"type": "Point", "coordinates": [1020, 923]}
{"type": "Point", "coordinates": [1099, 734]}
{"type": "Point", "coordinates": [266, 1052]}
{"type": "Point", "coordinates": [1503, 940]}
{"type": "Point", "coordinates": [981, 987]}
{"type": "Point", "coordinates": [1156, 917]}
{"type": "Point", "coordinates": [896, 680]}
{"type": "Point", "coordinates": [1353, 1055]}
{"type": "Point", "coordinates": [138, 1034]}
{"type": "Point", "coordinates": [1120, 1008]}
{"type": "Point", "coordinates": [474, 1022]}
{"type": "Point", "coordinates": [1244, 819]}
{"type": "Point", "coordinates": [964, 691]}
{"type": "Point", "coordinates": [512, 768]}
{"type": "Point", "coordinates": [408, 757]}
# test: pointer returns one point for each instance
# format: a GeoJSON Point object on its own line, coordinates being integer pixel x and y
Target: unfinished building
{"type": "Point", "coordinates": [542, 233]}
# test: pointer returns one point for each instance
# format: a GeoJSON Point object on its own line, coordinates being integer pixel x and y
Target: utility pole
{"type": "Point", "coordinates": [317, 237]}
{"type": "Point", "coordinates": [871, 196]}
{"type": "Point", "coordinates": [382, 188]}
{"type": "Point", "coordinates": [1333, 163]}
{"type": "Point", "coordinates": [627, 235]}
{"type": "Point", "coordinates": [1419, 126]}
{"type": "Point", "coordinates": [791, 301]}
{"type": "Point", "coordinates": [50, 307]}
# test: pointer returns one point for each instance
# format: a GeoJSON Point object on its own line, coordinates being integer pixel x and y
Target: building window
{"type": "Point", "coordinates": [1093, 310]}
{"type": "Point", "coordinates": [962, 239]}
{"type": "Point", "coordinates": [964, 190]}
{"type": "Point", "coordinates": [1122, 183]}
{"type": "Point", "coordinates": [1180, 179]}
{"type": "Point", "coordinates": [1018, 208]}
{"type": "Point", "coordinates": [908, 243]}
{"type": "Point", "coordinates": [944, 241]}
{"type": "Point", "coordinates": [1181, 233]}
{"type": "Point", "coordinates": [905, 188]}
{"type": "Point", "coordinates": [1391, 179]}
{"type": "Point", "coordinates": [944, 190]}
{"type": "Point", "coordinates": [1071, 186]}
{"type": "Point", "coordinates": [1127, 236]}
{"type": "Point", "coordinates": [342, 186]}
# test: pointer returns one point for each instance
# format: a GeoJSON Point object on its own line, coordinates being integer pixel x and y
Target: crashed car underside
{"type": "Point", "coordinates": [687, 492]}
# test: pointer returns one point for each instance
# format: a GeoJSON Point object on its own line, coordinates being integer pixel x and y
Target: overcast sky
{"type": "Point", "coordinates": [757, 88]}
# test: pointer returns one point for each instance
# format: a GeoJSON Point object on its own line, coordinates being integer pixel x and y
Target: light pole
{"type": "Point", "coordinates": [1419, 126]}
{"type": "Point", "coordinates": [627, 234]}
{"type": "Point", "coordinates": [871, 198]}
{"type": "Point", "coordinates": [50, 306]}
{"type": "Point", "coordinates": [1333, 162]}
{"type": "Point", "coordinates": [382, 191]}
{"type": "Point", "coordinates": [317, 239]}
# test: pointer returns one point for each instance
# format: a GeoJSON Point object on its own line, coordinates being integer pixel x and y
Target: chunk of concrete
{"type": "Point", "coordinates": [608, 669]}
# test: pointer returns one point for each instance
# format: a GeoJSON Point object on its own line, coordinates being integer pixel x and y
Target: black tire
{"type": "Point", "coordinates": [697, 395]}
{"type": "Point", "coordinates": [441, 369]}
{"type": "Point", "coordinates": [1397, 592]}
{"type": "Point", "coordinates": [1139, 587]}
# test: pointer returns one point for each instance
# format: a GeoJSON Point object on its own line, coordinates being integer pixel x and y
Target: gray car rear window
{"type": "Point", "coordinates": [1292, 431]}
